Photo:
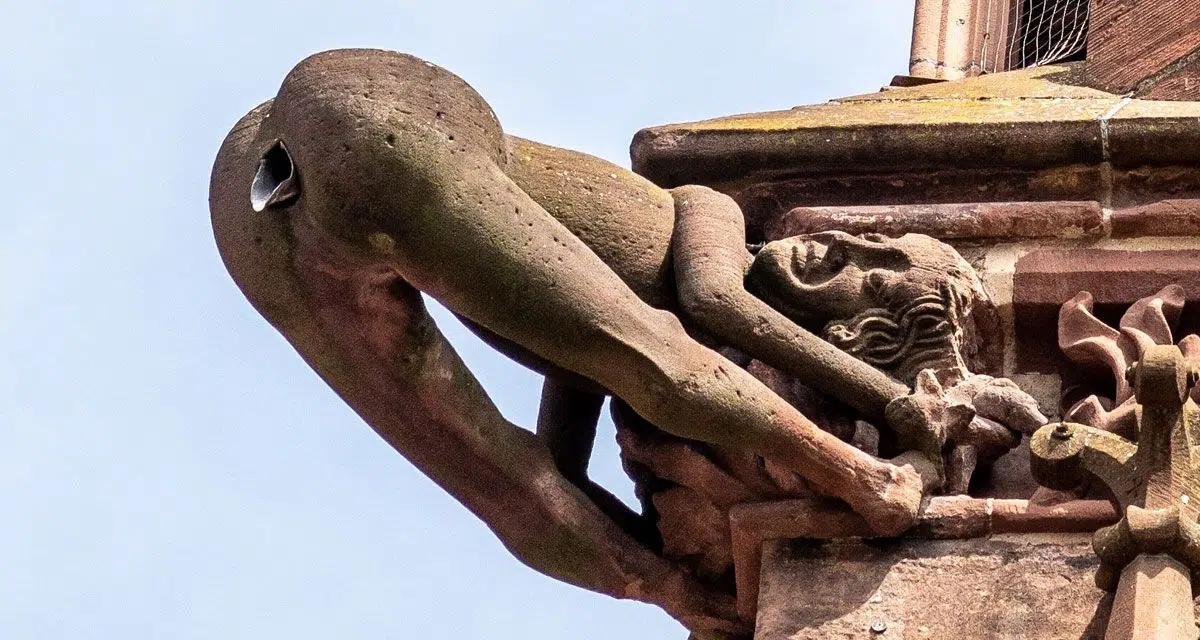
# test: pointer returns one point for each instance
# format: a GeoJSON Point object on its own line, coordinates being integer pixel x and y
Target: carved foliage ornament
{"type": "Point", "coordinates": [1088, 341]}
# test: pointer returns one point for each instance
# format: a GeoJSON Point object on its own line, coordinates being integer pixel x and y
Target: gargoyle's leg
{"type": "Point", "coordinates": [432, 410]}
{"type": "Point", "coordinates": [497, 257]}
{"type": "Point", "coordinates": [711, 260]}
{"type": "Point", "coordinates": [566, 423]}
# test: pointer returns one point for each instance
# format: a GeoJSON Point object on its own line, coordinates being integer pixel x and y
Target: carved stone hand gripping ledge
{"type": "Point", "coordinates": [1156, 484]}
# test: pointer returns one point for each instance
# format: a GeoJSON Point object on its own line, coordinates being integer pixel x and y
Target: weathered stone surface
{"type": "Point", "coordinates": [1130, 41]}
{"type": "Point", "coordinates": [1053, 276]}
{"type": "Point", "coordinates": [1167, 217]}
{"type": "Point", "coordinates": [699, 531]}
{"type": "Point", "coordinates": [754, 524]}
{"type": "Point", "coordinates": [1034, 135]}
{"type": "Point", "coordinates": [1150, 133]}
{"type": "Point", "coordinates": [1154, 590]}
{"type": "Point", "coordinates": [1147, 183]}
{"type": "Point", "coordinates": [1032, 119]}
{"type": "Point", "coordinates": [926, 126]}
{"type": "Point", "coordinates": [977, 221]}
{"type": "Point", "coordinates": [1006, 221]}
{"type": "Point", "coordinates": [764, 199]}
{"type": "Point", "coordinates": [1000, 587]}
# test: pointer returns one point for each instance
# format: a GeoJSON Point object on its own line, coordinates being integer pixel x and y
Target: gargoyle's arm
{"type": "Point", "coordinates": [710, 260]}
{"type": "Point", "coordinates": [445, 424]}
{"type": "Point", "coordinates": [529, 279]}
{"type": "Point", "coordinates": [566, 423]}
{"type": "Point", "coordinates": [567, 420]}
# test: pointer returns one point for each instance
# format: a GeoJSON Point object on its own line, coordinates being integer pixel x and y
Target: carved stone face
{"type": "Point", "coordinates": [820, 277]}
{"type": "Point", "coordinates": [899, 303]}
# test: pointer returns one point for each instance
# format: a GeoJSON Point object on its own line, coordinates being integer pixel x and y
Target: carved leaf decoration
{"type": "Point", "coordinates": [1149, 321]}
{"type": "Point", "coordinates": [1190, 346]}
{"type": "Point", "coordinates": [1121, 420]}
{"type": "Point", "coordinates": [1086, 340]}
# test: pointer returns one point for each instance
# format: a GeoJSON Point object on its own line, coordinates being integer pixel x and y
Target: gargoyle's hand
{"type": "Point", "coordinates": [700, 607]}
{"type": "Point", "coordinates": [927, 419]}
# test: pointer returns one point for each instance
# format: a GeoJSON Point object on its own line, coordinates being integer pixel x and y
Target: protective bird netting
{"type": "Point", "coordinates": [1033, 32]}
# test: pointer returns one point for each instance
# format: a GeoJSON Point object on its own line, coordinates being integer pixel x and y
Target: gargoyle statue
{"type": "Point", "coordinates": [373, 176]}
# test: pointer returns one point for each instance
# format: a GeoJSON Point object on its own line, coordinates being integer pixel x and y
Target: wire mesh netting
{"type": "Point", "coordinates": [1029, 33]}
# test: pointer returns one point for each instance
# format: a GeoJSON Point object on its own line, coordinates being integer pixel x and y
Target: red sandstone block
{"type": "Point", "coordinates": [975, 221]}
{"type": "Point", "coordinates": [1132, 40]}
{"type": "Point", "coordinates": [1162, 218]}
{"type": "Point", "coordinates": [1053, 276]}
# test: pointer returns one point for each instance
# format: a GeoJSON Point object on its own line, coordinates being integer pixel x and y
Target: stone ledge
{"type": "Point", "coordinates": [1032, 118]}
{"type": "Point", "coordinates": [1171, 217]}
{"type": "Point", "coordinates": [1005, 221]}
{"type": "Point", "coordinates": [947, 517]}
{"type": "Point", "coordinates": [1000, 587]}
{"type": "Point", "coordinates": [1050, 277]}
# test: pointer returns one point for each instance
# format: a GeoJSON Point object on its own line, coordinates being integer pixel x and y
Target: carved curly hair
{"type": "Point", "coordinates": [934, 330]}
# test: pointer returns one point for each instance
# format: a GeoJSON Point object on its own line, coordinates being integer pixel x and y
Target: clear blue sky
{"type": "Point", "coordinates": [169, 468]}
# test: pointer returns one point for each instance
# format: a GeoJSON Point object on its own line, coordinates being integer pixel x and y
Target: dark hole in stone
{"type": "Point", "coordinates": [275, 182]}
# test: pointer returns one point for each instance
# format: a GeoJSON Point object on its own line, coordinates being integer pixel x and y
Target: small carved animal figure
{"type": "Point", "coordinates": [372, 176]}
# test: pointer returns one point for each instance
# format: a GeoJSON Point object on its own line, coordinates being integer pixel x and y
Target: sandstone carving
{"type": "Point", "coordinates": [1090, 342]}
{"type": "Point", "coordinates": [910, 306]}
{"type": "Point", "coordinates": [1154, 482]}
{"type": "Point", "coordinates": [902, 304]}
{"type": "Point", "coordinates": [374, 176]}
